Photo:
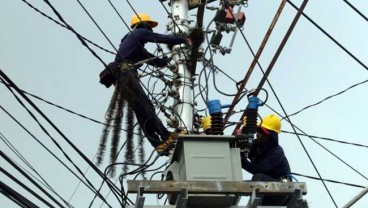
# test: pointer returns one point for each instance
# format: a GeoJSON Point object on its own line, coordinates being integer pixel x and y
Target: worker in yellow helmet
{"type": "Point", "coordinates": [130, 52]}
{"type": "Point", "coordinates": [267, 160]}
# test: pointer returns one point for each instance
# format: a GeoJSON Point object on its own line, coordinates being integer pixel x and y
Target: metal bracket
{"type": "Point", "coordinates": [183, 198]}
{"type": "Point", "coordinates": [139, 202]}
{"type": "Point", "coordinates": [295, 197]}
{"type": "Point", "coordinates": [254, 199]}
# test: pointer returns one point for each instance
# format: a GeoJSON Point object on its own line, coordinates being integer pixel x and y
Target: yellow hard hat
{"type": "Point", "coordinates": [271, 122]}
{"type": "Point", "coordinates": [142, 17]}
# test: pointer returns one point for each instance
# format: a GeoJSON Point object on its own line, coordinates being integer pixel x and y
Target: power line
{"type": "Point", "coordinates": [300, 11]}
{"type": "Point", "coordinates": [90, 16]}
{"type": "Point", "coordinates": [3, 155]}
{"type": "Point", "coordinates": [60, 24]}
{"type": "Point", "coordinates": [330, 37]}
{"type": "Point", "coordinates": [295, 127]}
{"type": "Point", "coordinates": [57, 129]}
{"type": "Point", "coordinates": [48, 150]}
{"type": "Point", "coordinates": [16, 197]}
{"type": "Point", "coordinates": [327, 98]}
{"type": "Point", "coordinates": [20, 156]}
{"type": "Point", "coordinates": [356, 10]}
{"type": "Point", "coordinates": [77, 34]}
{"type": "Point", "coordinates": [328, 139]}
{"type": "Point", "coordinates": [328, 180]}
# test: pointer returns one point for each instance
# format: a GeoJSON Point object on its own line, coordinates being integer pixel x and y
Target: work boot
{"type": "Point", "coordinates": [172, 138]}
{"type": "Point", "coordinates": [163, 149]}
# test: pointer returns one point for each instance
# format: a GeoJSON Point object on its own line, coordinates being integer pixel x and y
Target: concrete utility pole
{"type": "Point", "coordinates": [183, 105]}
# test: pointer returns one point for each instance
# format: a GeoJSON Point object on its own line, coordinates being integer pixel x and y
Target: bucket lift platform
{"type": "Point", "coordinates": [205, 172]}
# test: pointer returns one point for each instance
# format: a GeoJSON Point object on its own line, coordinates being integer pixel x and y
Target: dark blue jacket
{"type": "Point", "coordinates": [132, 49]}
{"type": "Point", "coordinates": [271, 162]}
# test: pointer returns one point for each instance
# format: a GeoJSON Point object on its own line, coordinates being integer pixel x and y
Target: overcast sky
{"type": "Point", "coordinates": [47, 60]}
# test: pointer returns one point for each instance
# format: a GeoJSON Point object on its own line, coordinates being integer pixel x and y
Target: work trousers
{"type": "Point", "coordinates": [143, 108]}
{"type": "Point", "coordinates": [270, 200]}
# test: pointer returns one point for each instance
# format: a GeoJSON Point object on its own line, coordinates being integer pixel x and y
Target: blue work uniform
{"type": "Point", "coordinates": [131, 50]}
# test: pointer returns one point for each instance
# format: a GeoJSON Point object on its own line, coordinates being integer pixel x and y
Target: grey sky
{"type": "Point", "coordinates": [48, 60]}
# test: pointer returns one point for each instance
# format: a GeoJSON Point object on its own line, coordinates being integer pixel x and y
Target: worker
{"type": "Point", "coordinates": [129, 58]}
{"type": "Point", "coordinates": [267, 160]}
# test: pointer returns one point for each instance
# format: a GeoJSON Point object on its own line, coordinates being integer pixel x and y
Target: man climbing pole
{"type": "Point", "coordinates": [267, 160]}
{"type": "Point", "coordinates": [123, 72]}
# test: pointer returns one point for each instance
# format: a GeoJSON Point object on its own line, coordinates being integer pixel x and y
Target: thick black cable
{"type": "Point", "coordinates": [328, 139]}
{"type": "Point", "coordinates": [77, 34]}
{"type": "Point", "coordinates": [65, 109]}
{"type": "Point", "coordinates": [329, 36]}
{"type": "Point", "coordinates": [3, 155]}
{"type": "Point", "coordinates": [16, 197]}
{"type": "Point", "coordinates": [24, 160]}
{"type": "Point", "coordinates": [48, 150]}
{"type": "Point", "coordinates": [329, 180]}
{"type": "Point", "coordinates": [58, 23]}
{"type": "Point", "coordinates": [356, 10]}
{"type": "Point", "coordinates": [2, 74]}
{"type": "Point", "coordinates": [94, 21]}
{"type": "Point", "coordinates": [301, 142]}
{"type": "Point", "coordinates": [337, 157]}
{"type": "Point", "coordinates": [329, 97]}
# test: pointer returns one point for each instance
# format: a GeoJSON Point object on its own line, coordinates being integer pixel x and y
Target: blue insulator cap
{"type": "Point", "coordinates": [214, 106]}
{"type": "Point", "coordinates": [254, 102]}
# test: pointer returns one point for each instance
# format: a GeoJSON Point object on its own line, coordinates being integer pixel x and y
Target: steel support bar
{"type": "Point", "coordinates": [277, 54]}
{"type": "Point", "coordinates": [254, 199]}
{"type": "Point", "coordinates": [215, 187]}
{"type": "Point", "coordinates": [183, 198]}
{"type": "Point", "coordinates": [356, 198]}
{"type": "Point", "coordinates": [255, 60]}
{"type": "Point", "coordinates": [139, 202]}
{"type": "Point", "coordinates": [297, 195]}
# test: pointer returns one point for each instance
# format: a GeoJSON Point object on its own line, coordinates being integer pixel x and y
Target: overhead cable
{"type": "Point", "coordinates": [325, 138]}
{"type": "Point", "coordinates": [16, 197]}
{"type": "Point", "coordinates": [77, 34]}
{"type": "Point", "coordinates": [255, 60]}
{"type": "Point", "coordinates": [3, 155]}
{"type": "Point", "coordinates": [329, 36]}
{"type": "Point", "coordinates": [300, 11]}
{"type": "Point", "coordinates": [356, 10]}
{"type": "Point", "coordinates": [24, 160]}
{"type": "Point", "coordinates": [337, 157]}
{"type": "Point", "coordinates": [2, 74]}
{"type": "Point", "coordinates": [329, 180]}
{"type": "Point", "coordinates": [48, 150]}
{"type": "Point", "coordinates": [329, 97]}
{"type": "Point", "coordinates": [55, 21]}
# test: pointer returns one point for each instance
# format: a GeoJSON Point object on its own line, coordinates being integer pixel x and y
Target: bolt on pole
{"type": "Point", "coordinates": [183, 105]}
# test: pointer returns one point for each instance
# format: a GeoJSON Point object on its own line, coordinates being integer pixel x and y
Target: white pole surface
{"type": "Point", "coordinates": [183, 106]}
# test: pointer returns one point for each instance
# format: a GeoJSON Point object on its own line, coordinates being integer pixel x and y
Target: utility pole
{"type": "Point", "coordinates": [183, 77]}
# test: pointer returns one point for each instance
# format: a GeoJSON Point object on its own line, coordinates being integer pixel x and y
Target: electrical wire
{"type": "Point", "coordinates": [26, 187]}
{"type": "Point", "coordinates": [60, 24]}
{"type": "Point", "coordinates": [329, 36]}
{"type": "Point", "coordinates": [77, 34]}
{"type": "Point", "coordinates": [24, 160]}
{"type": "Point", "coordinates": [278, 100]}
{"type": "Point", "coordinates": [5, 157]}
{"type": "Point", "coordinates": [328, 97]}
{"type": "Point", "coordinates": [329, 180]}
{"type": "Point", "coordinates": [55, 127]}
{"type": "Point", "coordinates": [356, 10]}
{"type": "Point", "coordinates": [328, 139]}
{"type": "Point", "coordinates": [48, 150]}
